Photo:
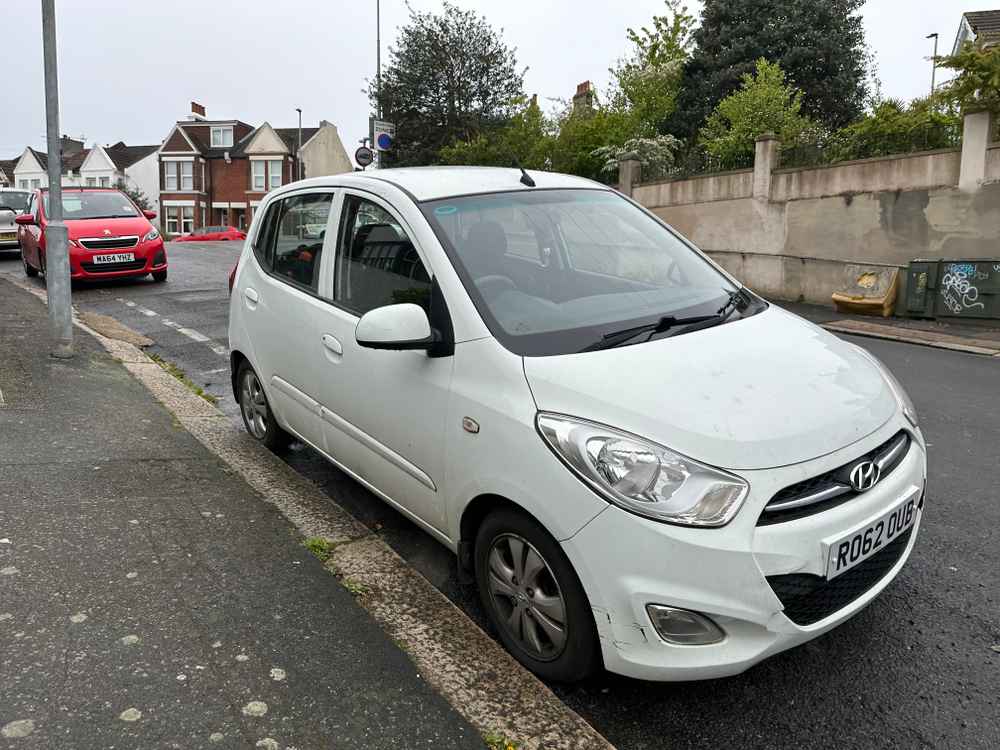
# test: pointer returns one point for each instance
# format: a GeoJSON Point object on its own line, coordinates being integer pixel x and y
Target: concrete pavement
{"type": "Point", "coordinates": [150, 598]}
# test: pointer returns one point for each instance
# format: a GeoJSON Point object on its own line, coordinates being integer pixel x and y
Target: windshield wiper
{"type": "Point", "coordinates": [617, 338]}
{"type": "Point", "coordinates": [737, 300]}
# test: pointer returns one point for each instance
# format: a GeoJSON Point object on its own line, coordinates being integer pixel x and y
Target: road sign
{"type": "Point", "coordinates": [364, 156]}
{"type": "Point", "coordinates": [383, 134]}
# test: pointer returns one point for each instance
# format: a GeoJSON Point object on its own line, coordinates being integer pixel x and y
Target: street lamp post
{"type": "Point", "coordinates": [378, 59]}
{"type": "Point", "coordinates": [298, 151]}
{"type": "Point", "coordinates": [933, 60]}
{"type": "Point", "coordinates": [57, 278]}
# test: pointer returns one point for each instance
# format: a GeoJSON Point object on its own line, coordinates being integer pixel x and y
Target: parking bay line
{"type": "Point", "coordinates": [191, 333]}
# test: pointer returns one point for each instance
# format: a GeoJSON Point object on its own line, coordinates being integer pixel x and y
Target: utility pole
{"type": "Point", "coordinates": [378, 59]}
{"type": "Point", "coordinates": [57, 278]}
{"type": "Point", "coordinates": [298, 151]}
{"type": "Point", "coordinates": [933, 60]}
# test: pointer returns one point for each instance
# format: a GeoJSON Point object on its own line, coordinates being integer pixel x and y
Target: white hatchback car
{"type": "Point", "coordinates": [643, 464]}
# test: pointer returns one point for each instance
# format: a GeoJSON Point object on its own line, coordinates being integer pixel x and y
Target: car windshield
{"type": "Point", "coordinates": [109, 204]}
{"type": "Point", "coordinates": [15, 200]}
{"type": "Point", "coordinates": [561, 271]}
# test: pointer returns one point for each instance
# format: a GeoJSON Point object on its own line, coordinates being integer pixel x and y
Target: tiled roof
{"type": "Point", "coordinates": [71, 161]}
{"type": "Point", "coordinates": [125, 156]}
{"type": "Point", "coordinates": [200, 133]}
{"type": "Point", "coordinates": [984, 21]}
{"type": "Point", "coordinates": [291, 136]}
{"type": "Point", "coordinates": [7, 167]}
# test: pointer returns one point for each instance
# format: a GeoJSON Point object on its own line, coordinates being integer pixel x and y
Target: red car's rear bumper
{"type": "Point", "coordinates": [149, 257]}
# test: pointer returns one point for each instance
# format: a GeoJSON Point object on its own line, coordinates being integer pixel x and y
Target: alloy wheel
{"type": "Point", "coordinates": [254, 405]}
{"type": "Point", "coordinates": [529, 603]}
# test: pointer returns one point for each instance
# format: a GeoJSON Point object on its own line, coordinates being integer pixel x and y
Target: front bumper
{"type": "Point", "coordinates": [149, 257]}
{"type": "Point", "coordinates": [626, 562]}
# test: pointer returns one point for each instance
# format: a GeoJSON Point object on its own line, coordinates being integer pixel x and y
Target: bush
{"type": "Point", "coordinates": [764, 103]}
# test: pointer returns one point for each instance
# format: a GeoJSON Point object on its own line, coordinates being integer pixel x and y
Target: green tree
{"type": "Point", "coordinates": [581, 134]}
{"type": "Point", "coordinates": [657, 156]}
{"type": "Point", "coordinates": [818, 43]}
{"type": "Point", "coordinates": [976, 84]}
{"type": "Point", "coordinates": [765, 102]}
{"type": "Point", "coordinates": [894, 127]}
{"type": "Point", "coordinates": [648, 81]}
{"type": "Point", "coordinates": [450, 78]}
{"type": "Point", "coordinates": [526, 138]}
{"type": "Point", "coordinates": [135, 193]}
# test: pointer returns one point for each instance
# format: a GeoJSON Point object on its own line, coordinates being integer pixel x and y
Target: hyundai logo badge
{"type": "Point", "coordinates": [864, 476]}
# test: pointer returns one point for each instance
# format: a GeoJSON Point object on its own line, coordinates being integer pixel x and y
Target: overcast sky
{"type": "Point", "coordinates": [129, 69]}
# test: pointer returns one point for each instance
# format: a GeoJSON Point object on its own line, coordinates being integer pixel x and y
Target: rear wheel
{"type": "Point", "coordinates": [29, 270]}
{"type": "Point", "coordinates": [256, 411]}
{"type": "Point", "coordinates": [533, 597]}
{"type": "Point", "coordinates": [160, 276]}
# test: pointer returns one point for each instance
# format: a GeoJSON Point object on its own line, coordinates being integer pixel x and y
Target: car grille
{"type": "Point", "coordinates": [109, 243]}
{"type": "Point", "coordinates": [828, 490]}
{"type": "Point", "coordinates": [808, 598]}
{"type": "Point", "coordinates": [130, 265]}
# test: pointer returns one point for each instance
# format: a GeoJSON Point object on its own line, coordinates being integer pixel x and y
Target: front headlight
{"type": "Point", "coordinates": [151, 235]}
{"type": "Point", "coordinates": [902, 397]}
{"type": "Point", "coordinates": [643, 477]}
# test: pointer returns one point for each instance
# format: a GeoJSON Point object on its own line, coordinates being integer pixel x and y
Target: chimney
{"type": "Point", "coordinates": [583, 100]}
{"type": "Point", "coordinates": [197, 111]}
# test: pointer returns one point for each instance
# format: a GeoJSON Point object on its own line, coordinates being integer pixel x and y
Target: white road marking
{"type": "Point", "coordinates": [191, 333]}
{"type": "Point", "coordinates": [2, 402]}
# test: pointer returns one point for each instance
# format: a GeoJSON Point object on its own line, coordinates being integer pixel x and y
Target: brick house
{"type": "Point", "coordinates": [215, 172]}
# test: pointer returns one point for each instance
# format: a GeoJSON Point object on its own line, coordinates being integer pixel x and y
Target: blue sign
{"type": "Point", "coordinates": [384, 141]}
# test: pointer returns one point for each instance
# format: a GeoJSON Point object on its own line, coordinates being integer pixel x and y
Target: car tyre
{"type": "Point", "coordinates": [160, 276]}
{"type": "Point", "coordinates": [533, 597]}
{"type": "Point", "coordinates": [29, 270]}
{"type": "Point", "coordinates": [256, 410]}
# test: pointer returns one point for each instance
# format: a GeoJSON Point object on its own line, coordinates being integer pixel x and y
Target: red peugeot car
{"type": "Point", "coordinates": [109, 236]}
{"type": "Point", "coordinates": [212, 234]}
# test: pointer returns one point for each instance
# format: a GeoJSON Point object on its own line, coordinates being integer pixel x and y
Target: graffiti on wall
{"type": "Point", "coordinates": [958, 287]}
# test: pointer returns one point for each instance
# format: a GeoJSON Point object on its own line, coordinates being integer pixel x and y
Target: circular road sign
{"type": "Point", "coordinates": [364, 156]}
{"type": "Point", "coordinates": [384, 141]}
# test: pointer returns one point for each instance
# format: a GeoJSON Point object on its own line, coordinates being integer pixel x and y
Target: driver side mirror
{"type": "Point", "coordinates": [25, 220]}
{"type": "Point", "coordinates": [400, 327]}
{"type": "Point", "coordinates": [149, 214]}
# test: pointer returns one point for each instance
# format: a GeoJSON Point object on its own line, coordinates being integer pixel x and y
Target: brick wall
{"type": "Point", "coordinates": [229, 182]}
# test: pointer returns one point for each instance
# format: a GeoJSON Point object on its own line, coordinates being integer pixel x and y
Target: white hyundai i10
{"type": "Point", "coordinates": [644, 465]}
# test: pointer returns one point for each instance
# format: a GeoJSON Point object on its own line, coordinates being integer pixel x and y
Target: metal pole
{"type": "Point", "coordinates": [298, 151]}
{"type": "Point", "coordinates": [933, 60]}
{"type": "Point", "coordinates": [378, 59]}
{"type": "Point", "coordinates": [57, 278]}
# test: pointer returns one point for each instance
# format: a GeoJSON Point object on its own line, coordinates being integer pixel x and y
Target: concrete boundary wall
{"type": "Point", "coordinates": [910, 172]}
{"type": "Point", "coordinates": [789, 233]}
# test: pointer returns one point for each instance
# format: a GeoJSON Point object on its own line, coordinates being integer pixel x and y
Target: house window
{"type": "Point", "coordinates": [222, 137]}
{"type": "Point", "coordinates": [187, 219]}
{"type": "Point", "coordinates": [170, 175]}
{"type": "Point", "coordinates": [91, 182]}
{"type": "Point", "coordinates": [24, 184]}
{"type": "Point", "coordinates": [105, 182]}
{"type": "Point", "coordinates": [274, 174]}
{"type": "Point", "coordinates": [172, 225]}
{"type": "Point", "coordinates": [258, 183]}
{"type": "Point", "coordinates": [35, 184]}
{"type": "Point", "coordinates": [187, 175]}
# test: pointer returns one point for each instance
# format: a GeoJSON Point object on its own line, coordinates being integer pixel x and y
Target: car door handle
{"type": "Point", "coordinates": [251, 294]}
{"type": "Point", "coordinates": [332, 343]}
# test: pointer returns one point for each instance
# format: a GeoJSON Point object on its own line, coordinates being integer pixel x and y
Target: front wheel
{"type": "Point", "coordinates": [160, 276]}
{"type": "Point", "coordinates": [256, 411]}
{"type": "Point", "coordinates": [29, 270]}
{"type": "Point", "coordinates": [533, 597]}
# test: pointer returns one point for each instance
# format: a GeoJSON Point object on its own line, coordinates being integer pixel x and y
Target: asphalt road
{"type": "Point", "coordinates": [920, 667]}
